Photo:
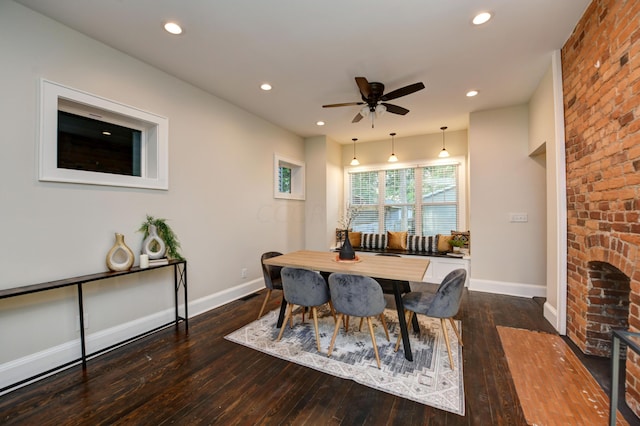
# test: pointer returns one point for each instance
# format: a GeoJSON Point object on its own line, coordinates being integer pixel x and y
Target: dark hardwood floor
{"type": "Point", "coordinates": [172, 378]}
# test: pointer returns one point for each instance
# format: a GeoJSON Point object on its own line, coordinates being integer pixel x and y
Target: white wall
{"type": "Point", "coordinates": [324, 191]}
{"type": "Point", "coordinates": [220, 201]}
{"type": "Point", "coordinates": [508, 258]}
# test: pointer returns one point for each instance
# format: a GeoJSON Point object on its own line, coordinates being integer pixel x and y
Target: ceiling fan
{"type": "Point", "coordinates": [375, 99]}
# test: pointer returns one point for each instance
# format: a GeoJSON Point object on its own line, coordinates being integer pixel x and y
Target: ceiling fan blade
{"type": "Point", "coordinates": [403, 91]}
{"type": "Point", "coordinates": [357, 118]}
{"type": "Point", "coordinates": [343, 104]}
{"type": "Point", "coordinates": [395, 109]}
{"type": "Point", "coordinates": [364, 87]}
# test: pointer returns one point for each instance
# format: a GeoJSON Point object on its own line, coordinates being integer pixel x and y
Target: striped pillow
{"type": "Point", "coordinates": [374, 241]}
{"type": "Point", "coordinates": [417, 243]}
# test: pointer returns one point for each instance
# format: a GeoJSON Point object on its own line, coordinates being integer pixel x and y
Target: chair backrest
{"type": "Point", "coordinates": [304, 287]}
{"type": "Point", "coordinates": [271, 273]}
{"type": "Point", "coordinates": [356, 295]}
{"type": "Point", "coordinates": [449, 295]}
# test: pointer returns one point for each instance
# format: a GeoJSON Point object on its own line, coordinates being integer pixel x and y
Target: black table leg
{"type": "Point", "coordinates": [283, 309]}
{"type": "Point", "coordinates": [403, 322]}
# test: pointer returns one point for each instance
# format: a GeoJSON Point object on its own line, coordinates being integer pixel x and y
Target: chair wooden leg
{"type": "Point", "coordinates": [335, 333]}
{"type": "Point", "coordinates": [264, 304]}
{"type": "Point", "coordinates": [446, 340]}
{"type": "Point", "coordinates": [373, 340]}
{"type": "Point", "coordinates": [314, 311]}
{"type": "Point", "coordinates": [384, 325]}
{"type": "Point", "coordinates": [286, 317]}
{"type": "Point", "coordinates": [409, 316]}
{"type": "Point", "coordinates": [333, 311]}
{"type": "Point", "coordinates": [346, 323]}
{"type": "Point", "coordinates": [360, 326]}
{"type": "Point", "coordinates": [455, 329]}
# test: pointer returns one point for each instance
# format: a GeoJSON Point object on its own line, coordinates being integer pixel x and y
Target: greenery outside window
{"type": "Point", "coordinates": [423, 200]}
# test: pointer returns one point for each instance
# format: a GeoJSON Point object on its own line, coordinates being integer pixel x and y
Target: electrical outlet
{"type": "Point", "coordinates": [243, 272]}
{"type": "Point", "coordinates": [518, 217]}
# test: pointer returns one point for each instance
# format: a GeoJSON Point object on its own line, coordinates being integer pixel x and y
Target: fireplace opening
{"type": "Point", "coordinates": [608, 306]}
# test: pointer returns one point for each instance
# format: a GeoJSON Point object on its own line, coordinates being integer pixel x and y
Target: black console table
{"type": "Point", "coordinates": [179, 279]}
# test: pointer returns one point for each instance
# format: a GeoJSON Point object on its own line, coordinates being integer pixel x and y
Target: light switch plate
{"type": "Point", "coordinates": [518, 217]}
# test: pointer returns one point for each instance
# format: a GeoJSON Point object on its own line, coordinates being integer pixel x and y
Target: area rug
{"type": "Point", "coordinates": [428, 379]}
{"type": "Point", "coordinates": [553, 386]}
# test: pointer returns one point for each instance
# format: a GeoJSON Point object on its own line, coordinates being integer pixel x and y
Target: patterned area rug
{"type": "Point", "coordinates": [428, 379]}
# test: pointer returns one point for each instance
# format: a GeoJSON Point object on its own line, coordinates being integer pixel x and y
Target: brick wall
{"type": "Point", "coordinates": [601, 83]}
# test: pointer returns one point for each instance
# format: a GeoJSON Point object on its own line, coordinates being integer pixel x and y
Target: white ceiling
{"type": "Point", "coordinates": [310, 51]}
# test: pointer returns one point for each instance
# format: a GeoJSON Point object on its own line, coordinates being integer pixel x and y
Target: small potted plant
{"type": "Point", "coordinates": [457, 245]}
{"type": "Point", "coordinates": [165, 233]}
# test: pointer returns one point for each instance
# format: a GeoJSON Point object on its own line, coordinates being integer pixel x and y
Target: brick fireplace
{"type": "Point", "coordinates": [601, 83]}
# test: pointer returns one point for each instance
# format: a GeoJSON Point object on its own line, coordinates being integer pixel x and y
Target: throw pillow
{"type": "Point", "coordinates": [374, 241]}
{"type": "Point", "coordinates": [355, 239]}
{"type": "Point", "coordinates": [443, 242]}
{"type": "Point", "coordinates": [397, 240]}
{"type": "Point", "coordinates": [417, 243]}
{"type": "Point", "coordinates": [464, 236]}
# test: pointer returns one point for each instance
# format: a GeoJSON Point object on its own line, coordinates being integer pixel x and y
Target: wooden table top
{"type": "Point", "coordinates": [389, 267]}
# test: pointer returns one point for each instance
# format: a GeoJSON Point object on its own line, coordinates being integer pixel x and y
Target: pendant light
{"type": "Point", "coordinates": [392, 158]}
{"type": "Point", "coordinates": [443, 153]}
{"type": "Point", "coordinates": [355, 161]}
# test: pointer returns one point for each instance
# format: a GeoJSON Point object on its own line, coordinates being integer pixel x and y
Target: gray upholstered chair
{"type": "Point", "coordinates": [357, 296]}
{"type": "Point", "coordinates": [304, 288]}
{"type": "Point", "coordinates": [272, 279]}
{"type": "Point", "coordinates": [444, 304]}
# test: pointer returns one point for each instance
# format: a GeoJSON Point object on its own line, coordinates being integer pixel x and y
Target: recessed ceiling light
{"type": "Point", "coordinates": [106, 133]}
{"type": "Point", "coordinates": [173, 28]}
{"type": "Point", "coordinates": [320, 123]}
{"type": "Point", "coordinates": [472, 93]}
{"type": "Point", "coordinates": [265, 86]}
{"type": "Point", "coordinates": [481, 18]}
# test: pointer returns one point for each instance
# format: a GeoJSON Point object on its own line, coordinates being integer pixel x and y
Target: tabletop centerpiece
{"type": "Point", "coordinates": [346, 252]}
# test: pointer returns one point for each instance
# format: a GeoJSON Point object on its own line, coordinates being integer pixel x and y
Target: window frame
{"type": "Point", "coordinates": [297, 178]}
{"type": "Point", "coordinates": [154, 156]}
{"type": "Point", "coordinates": [459, 161]}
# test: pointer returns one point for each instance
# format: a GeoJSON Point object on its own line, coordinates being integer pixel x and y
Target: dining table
{"type": "Point", "coordinates": [396, 269]}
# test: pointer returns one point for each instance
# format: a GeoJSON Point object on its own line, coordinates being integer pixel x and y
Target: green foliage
{"type": "Point", "coordinates": [165, 233]}
{"type": "Point", "coordinates": [456, 243]}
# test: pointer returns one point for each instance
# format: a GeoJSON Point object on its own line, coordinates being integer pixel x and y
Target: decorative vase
{"type": "Point", "coordinates": [120, 257]}
{"type": "Point", "coordinates": [153, 244]}
{"type": "Point", "coordinates": [346, 251]}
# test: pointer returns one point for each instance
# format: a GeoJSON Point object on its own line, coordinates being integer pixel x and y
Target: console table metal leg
{"type": "Point", "coordinates": [180, 279]}
{"type": "Point", "coordinates": [81, 317]}
{"type": "Point", "coordinates": [186, 300]}
{"type": "Point", "coordinates": [615, 378]}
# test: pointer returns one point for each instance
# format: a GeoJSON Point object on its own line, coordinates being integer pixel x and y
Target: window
{"type": "Point", "coordinates": [423, 200]}
{"type": "Point", "coordinates": [288, 180]}
{"type": "Point", "coordinates": [91, 140]}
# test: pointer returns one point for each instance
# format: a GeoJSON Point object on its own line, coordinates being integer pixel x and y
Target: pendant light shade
{"type": "Point", "coordinates": [355, 161]}
{"type": "Point", "coordinates": [392, 157]}
{"type": "Point", "coordinates": [444, 153]}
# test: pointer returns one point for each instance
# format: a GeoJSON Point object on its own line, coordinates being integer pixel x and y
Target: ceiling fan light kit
{"type": "Point", "coordinates": [375, 100]}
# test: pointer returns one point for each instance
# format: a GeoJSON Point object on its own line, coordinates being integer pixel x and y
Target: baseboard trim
{"type": "Point", "coordinates": [33, 364]}
{"type": "Point", "coordinates": [215, 300]}
{"type": "Point", "coordinates": [550, 313]}
{"type": "Point", "coordinates": [507, 288]}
